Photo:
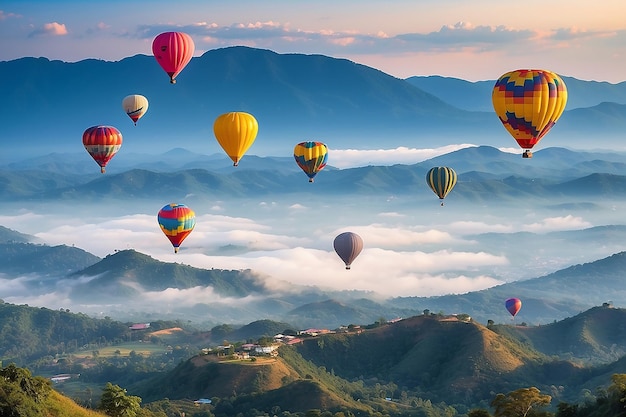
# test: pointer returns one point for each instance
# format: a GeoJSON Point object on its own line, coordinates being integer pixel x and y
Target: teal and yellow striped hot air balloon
{"type": "Point", "coordinates": [441, 180]}
{"type": "Point", "coordinates": [311, 157]}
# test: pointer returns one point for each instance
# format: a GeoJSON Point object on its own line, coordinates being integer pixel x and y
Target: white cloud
{"type": "Point", "coordinates": [551, 224]}
{"type": "Point", "coordinates": [350, 158]}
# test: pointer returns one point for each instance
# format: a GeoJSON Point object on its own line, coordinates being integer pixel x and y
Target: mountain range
{"type": "Point", "coordinates": [485, 174]}
{"type": "Point", "coordinates": [295, 97]}
{"type": "Point", "coordinates": [123, 281]}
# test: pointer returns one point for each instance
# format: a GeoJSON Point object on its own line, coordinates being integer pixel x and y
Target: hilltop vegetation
{"type": "Point", "coordinates": [430, 364]}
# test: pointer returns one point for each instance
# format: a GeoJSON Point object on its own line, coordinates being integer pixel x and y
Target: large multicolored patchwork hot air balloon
{"type": "Point", "coordinates": [441, 180]}
{"type": "Point", "coordinates": [528, 103]}
{"type": "Point", "coordinates": [176, 221]}
{"type": "Point", "coordinates": [348, 246]}
{"type": "Point", "coordinates": [102, 143]}
{"type": "Point", "coordinates": [235, 132]}
{"type": "Point", "coordinates": [513, 305]}
{"type": "Point", "coordinates": [173, 51]}
{"type": "Point", "coordinates": [135, 106]}
{"type": "Point", "coordinates": [311, 157]}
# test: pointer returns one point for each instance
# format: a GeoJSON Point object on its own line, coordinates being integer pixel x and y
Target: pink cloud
{"type": "Point", "coordinates": [5, 15]}
{"type": "Point", "coordinates": [51, 29]}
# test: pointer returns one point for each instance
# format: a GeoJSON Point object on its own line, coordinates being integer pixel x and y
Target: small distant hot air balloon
{"type": "Point", "coordinates": [311, 157]}
{"type": "Point", "coordinates": [135, 106]}
{"type": "Point", "coordinates": [102, 143]}
{"type": "Point", "coordinates": [528, 103]}
{"type": "Point", "coordinates": [173, 51]}
{"type": "Point", "coordinates": [176, 221]}
{"type": "Point", "coordinates": [441, 180]}
{"type": "Point", "coordinates": [513, 305]}
{"type": "Point", "coordinates": [235, 132]}
{"type": "Point", "coordinates": [348, 245]}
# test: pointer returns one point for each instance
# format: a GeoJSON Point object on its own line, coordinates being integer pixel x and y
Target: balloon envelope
{"type": "Point", "coordinates": [235, 132]}
{"type": "Point", "coordinates": [441, 180]}
{"type": "Point", "coordinates": [176, 221]}
{"type": "Point", "coordinates": [348, 245]}
{"type": "Point", "coordinates": [311, 157]}
{"type": "Point", "coordinates": [173, 51]}
{"type": "Point", "coordinates": [528, 103]}
{"type": "Point", "coordinates": [513, 305]}
{"type": "Point", "coordinates": [102, 143]}
{"type": "Point", "coordinates": [135, 106]}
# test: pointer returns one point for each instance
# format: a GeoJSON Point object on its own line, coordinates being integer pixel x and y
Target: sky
{"type": "Point", "coordinates": [468, 39]}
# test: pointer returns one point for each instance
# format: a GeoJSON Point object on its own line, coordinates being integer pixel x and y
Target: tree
{"type": "Point", "coordinates": [478, 412]}
{"type": "Point", "coordinates": [21, 394]}
{"type": "Point", "coordinates": [115, 403]}
{"type": "Point", "coordinates": [566, 410]}
{"type": "Point", "coordinates": [519, 403]}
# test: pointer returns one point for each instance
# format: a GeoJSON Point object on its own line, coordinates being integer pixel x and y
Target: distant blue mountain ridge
{"type": "Point", "coordinates": [295, 97]}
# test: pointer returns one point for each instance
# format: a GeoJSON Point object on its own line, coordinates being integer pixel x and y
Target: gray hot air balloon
{"type": "Point", "coordinates": [348, 245]}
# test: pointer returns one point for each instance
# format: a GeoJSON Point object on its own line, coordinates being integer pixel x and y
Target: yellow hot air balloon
{"type": "Point", "coordinates": [235, 132]}
{"type": "Point", "coordinates": [528, 103]}
{"type": "Point", "coordinates": [135, 106]}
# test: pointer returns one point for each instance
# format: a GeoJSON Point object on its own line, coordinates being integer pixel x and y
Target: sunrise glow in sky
{"type": "Point", "coordinates": [469, 39]}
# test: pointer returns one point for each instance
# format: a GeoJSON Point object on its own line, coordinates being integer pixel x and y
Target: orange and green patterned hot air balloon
{"type": "Point", "coordinates": [235, 132]}
{"type": "Point", "coordinates": [311, 157]}
{"type": "Point", "coordinates": [102, 143]}
{"type": "Point", "coordinates": [176, 221]}
{"type": "Point", "coordinates": [441, 180]}
{"type": "Point", "coordinates": [528, 103]}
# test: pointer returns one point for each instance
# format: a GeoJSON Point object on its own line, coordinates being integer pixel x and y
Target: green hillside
{"type": "Point", "coordinates": [596, 336]}
{"type": "Point", "coordinates": [43, 260]}
{"type": "Point", "coordinates": [129, 266]}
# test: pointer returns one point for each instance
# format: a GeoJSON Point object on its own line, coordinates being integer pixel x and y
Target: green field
{"type": "Point", "coordinates": [122, 349]}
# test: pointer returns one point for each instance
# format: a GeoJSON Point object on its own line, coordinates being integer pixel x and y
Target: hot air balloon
{"type": "Point", "coordinates": [513, 305]}
{"type": "Point", "coordinates": [348, 245]}
{"type": "Point", "coordinates": [311, 157]}
{"type": "Point", "coordinates": [528, 103]}
{"type": "Point", "coordinates": [173, 51]}
{"type": "Point", "coordinates": [135, 106]}
{"type": "Point", "coordinates": [176, 221]}
{"type": "Point", "coordinates": [102, 143]}
{"type": "Point", "coordinates": [235, 132]}
{"type": "Point", "coordinates": [441, 180]}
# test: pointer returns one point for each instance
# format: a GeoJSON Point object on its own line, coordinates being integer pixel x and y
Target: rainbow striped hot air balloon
{"type": "Point", "coordinates": [176, 221]}
{"type": "Point", "coordinates": [102, 143]}
{"type": "Point", "coordinates": [528, 103]}
{"type": "Point", "coordinates": [311, 157]}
